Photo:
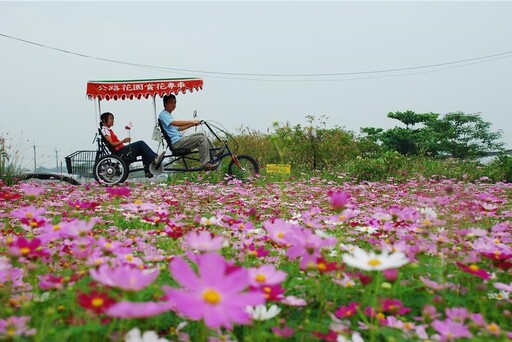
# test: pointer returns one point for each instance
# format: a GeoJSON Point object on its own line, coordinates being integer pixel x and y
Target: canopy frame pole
{"type": "Point", "coordinates": [154, 108]}
{"type": "Point", "coordinates": [157, 128]}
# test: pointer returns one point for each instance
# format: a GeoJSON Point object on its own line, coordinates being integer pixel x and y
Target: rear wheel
{"type": "Point", "coordinates": [110, 170]}
{"type": "Point", "coordinates": [243, 167]}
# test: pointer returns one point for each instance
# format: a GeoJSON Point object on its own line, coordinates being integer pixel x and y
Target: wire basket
{"type": "Point", "coordinates": [81, 163]}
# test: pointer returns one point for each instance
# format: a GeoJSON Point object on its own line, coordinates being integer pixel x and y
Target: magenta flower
{"type": "Point", "coordinates": [22, 247]}
{"type": "Point", "coordinates": [213, 295]}
{"type": "Point", "coordinates": [339, 200]}
{"type": "Point", "coordinates": [204, 241]}
{"type": "Point", "coordinates": [124, 277]}
{"type": "Point", "coordinates": [118, 191]}
{"type": "Point", "coordinates": [347, 310]}
{"type": "Point", "coordinates": [450, 330]}
{"type": "Point", "coordinates": [475, 270]}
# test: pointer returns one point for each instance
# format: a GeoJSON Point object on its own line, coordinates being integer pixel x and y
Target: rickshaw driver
{"type": "Point", "coordinates": [197, 140]}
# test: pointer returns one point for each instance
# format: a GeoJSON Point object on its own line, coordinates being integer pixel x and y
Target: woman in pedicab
{"type": "Point", "coordinates": [138, 148]}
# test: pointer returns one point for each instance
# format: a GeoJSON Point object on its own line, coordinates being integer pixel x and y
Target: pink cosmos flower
{"type": "Point", "coordinates": [31, 189]}
{"type": "Point", "coordinates": [450, 330]}
{"type": "Point", "coordinates": [265, 275]}
{"type": "Point", "coordinates": [124, 277]}
{"type": "Point", "coordinates": [278, 229]}
{"type": "Point", "coordinates": [28, 212]}
{"type": "Point", "coordinates": [457, 314]}
{"type": "Point", "coordinates": [125, 309]}
{"type": "Point", "coordinates": [49, 281]}
{"type": "Point", "coordinates": [306, 245]}
{"type": "Point", "coordinates": [76, 228]}
{"type": "Point", "coordinates": [284, 332]}
{"type": "Point", "coordinates": [15, 326]}
{"type": "Point", "coordinates": [214, 295]}
{"type": "Point", "coordinates": [204, 241]}
{"type": "Point", "coordinates": [503, 287]}
{"type": "Point", "coordinates": [294, 301]}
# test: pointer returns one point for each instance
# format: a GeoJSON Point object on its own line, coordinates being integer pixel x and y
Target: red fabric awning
{"type": "Point", "coordinates": [107, 90]}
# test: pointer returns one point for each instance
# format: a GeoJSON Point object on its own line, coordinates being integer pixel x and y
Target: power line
{"type": "Point", "coordinates": [453, 64]}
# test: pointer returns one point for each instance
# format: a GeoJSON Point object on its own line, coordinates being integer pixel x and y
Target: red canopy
{"type": "Point", "coordinates": [141, 88]}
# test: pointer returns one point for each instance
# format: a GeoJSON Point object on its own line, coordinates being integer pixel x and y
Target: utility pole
{"type": "Point", "coordinates": [3, 153]}
{"type": "Point", "coordinates": [35, 162]}
{"type": "Point", "coordinates": [56, 160]}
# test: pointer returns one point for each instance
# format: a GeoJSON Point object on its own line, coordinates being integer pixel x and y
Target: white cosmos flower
{"type": "Point", "coordinates": [374, 262]}
{"type": "Point", "coordinates": [261, 313]}
{"type": "Point", "coordinates": [367, 229]}
{"type": "Point", "coordinates": [148, 336]}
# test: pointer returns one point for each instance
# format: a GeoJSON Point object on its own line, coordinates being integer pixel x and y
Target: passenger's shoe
{"type": "Point", "coordinates": [148, 174]}
{"type": "Point", "coordinates": [158, 160]}
{"type": "Point", "coordinates": [211, 166]}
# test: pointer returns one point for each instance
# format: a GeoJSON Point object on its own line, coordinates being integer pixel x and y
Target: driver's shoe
{"type": "Point", "coordinates": [211, 166]}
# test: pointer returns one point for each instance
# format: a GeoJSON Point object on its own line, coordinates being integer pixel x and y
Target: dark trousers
{"type": "Point", "coordinates": [139, 148]}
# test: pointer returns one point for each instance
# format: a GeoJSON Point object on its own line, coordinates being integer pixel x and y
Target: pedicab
{"type": "Point", "coordinates": [109, 168]}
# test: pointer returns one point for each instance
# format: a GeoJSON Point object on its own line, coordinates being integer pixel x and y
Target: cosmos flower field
{"type": "Point", "coordinates": [303, 260]}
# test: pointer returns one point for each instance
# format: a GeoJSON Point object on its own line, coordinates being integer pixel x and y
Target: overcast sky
{"type": "Point", "coordinates": [42, 91]}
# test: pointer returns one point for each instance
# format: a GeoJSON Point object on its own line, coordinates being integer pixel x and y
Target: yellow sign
{"type": "Point", "coordinates": [278, 168]}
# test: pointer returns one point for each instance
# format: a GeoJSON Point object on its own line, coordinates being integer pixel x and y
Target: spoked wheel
{"type": "Point", "coordinates": [243, 167]}
{"type": "Point", "coordinates": [110, 170]}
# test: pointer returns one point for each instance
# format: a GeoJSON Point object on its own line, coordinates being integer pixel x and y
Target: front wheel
{"type": "Point", "coordinates": [110, 170]}
{"type": "Point", "coordinates": [243, 167]}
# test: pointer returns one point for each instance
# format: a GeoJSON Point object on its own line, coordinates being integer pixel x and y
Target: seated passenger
{"type": "Point", "coordinates": [138, 148]}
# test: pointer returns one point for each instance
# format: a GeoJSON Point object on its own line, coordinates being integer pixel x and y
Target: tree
{"type": "Point", "coordinates": [456, 134]}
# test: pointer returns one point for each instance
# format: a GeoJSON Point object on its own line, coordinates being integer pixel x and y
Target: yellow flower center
{"type": "Point", "coordinates": [211, 296]}
{"type": "Point", "coordinates": [374, 262]}
{"type": "Point", "coordinates": [97, 302]}
{"type": "Point", "coordinates": [474, 268]}
{"type": "Point", "coordinates": [280, 235]}
{"type": "Point", "coordinates": [493, 328]}
{"type": "Point", "coordinates": [33, 224]}
{"type": "Point", "coordinates": [260, 278]}
{"type": "Point", "coordinates": [29, 215]}
{"type": "Point", "coordinates": [138, 201]}
{"type": "Point", "coordinates": [342, 217]}
{"type": "Point", "coordinates": [321, 266]}
{"type": "Point", "coordinates": [25, 250]}
{"type": "Point", "coordinates": [56, 227]}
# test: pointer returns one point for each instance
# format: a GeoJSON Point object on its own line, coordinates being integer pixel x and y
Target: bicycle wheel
{"type": "Point", "coordinates": [110, 170]}
{"type": "Point", "coordinates": [243, 167]}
